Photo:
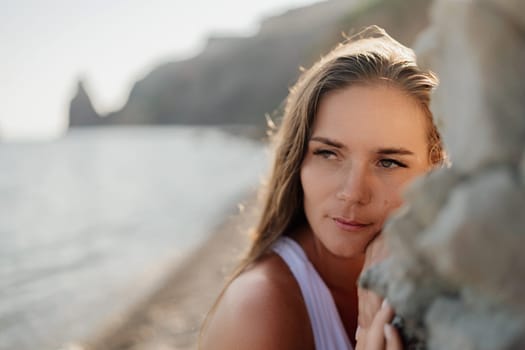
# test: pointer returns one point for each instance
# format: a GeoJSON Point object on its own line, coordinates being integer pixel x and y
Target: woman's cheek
{"type": "Point", "coordinates": [391, 204]}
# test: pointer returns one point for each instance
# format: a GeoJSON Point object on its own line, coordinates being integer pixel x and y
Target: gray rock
{"type": "Point", "coordinates": [522, 169]}
{"type": "Point", "coordinates": [479, 238]}
{"type": "Point", "coordinates": [481, 120]}
{"type": "Point", "coordinates": [455, 275]}
{"type": "Point", "coordinates": [427, 195]}
{"type": "Point", "coordinates": [81, 109]}
{"type": "Point", "coordinates": [452, 325]}
{"type": "Point", "coordinates": [512, 10]}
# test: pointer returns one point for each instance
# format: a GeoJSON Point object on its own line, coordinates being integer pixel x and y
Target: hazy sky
{"type": "Point", "coordinates": [46, 45]}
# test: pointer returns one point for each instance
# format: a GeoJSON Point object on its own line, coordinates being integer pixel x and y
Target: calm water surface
{"type": "Point", "coordinates": [91, 222]}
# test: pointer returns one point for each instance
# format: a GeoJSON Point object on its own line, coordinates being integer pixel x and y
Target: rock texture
{"type": "Point", "coordinates": [456, 271]}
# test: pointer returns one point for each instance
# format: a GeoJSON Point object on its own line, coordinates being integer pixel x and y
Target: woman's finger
{"type": "Point", "coordinates": [369, 302]}
{"type": "Point", "coordinates": [393, 340]}
{"type": "Point", "coordinates": [376, 333]}
{"type": "Point", "coordinates": [368, 305]}
{"type": "Point", "coordinates": [383, 316]}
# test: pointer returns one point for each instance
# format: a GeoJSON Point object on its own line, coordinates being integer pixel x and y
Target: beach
{"type": "Point", "coordinates": [170, 318]}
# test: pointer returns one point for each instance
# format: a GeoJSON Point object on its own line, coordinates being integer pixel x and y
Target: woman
{"type": "Point", "coordinates": [356, 129]}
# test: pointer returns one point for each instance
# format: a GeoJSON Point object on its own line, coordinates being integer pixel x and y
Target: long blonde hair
{"type": "Point", "coordinates": [371, 56]}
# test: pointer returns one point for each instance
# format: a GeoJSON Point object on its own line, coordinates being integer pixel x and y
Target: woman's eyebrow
{"type": "Point", "coordinates": [327, 141]}
{"type": "Point", "coordinates": [380, 151]}
{"type": "Point", "coordinates": [398, 151]}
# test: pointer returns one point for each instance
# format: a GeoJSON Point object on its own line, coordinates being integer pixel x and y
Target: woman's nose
{"type": "Point", "coordinates": [355, 187]}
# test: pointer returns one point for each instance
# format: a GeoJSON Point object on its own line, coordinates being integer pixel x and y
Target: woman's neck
{"type": "Point", "coordinates": [340, 274]}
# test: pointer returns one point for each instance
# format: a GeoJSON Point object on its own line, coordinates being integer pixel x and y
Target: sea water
{"type": "Point", "coordinates": [90, 223]}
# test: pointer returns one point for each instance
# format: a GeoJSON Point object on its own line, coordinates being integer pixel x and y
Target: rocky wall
{"type": "Point", "coordinates": [456, 274]}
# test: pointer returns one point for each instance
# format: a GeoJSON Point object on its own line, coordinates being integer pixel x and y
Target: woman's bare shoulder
{"type": "Point", "coordinates": [261, 309]}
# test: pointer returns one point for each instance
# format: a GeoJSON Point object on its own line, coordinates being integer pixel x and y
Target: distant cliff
{"type": "Point", "coordinates": [238, 80]}
{"type": "Point", "coordinates": [81, 110]}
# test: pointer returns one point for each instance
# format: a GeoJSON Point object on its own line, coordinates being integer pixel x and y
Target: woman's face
{"type": "Point", "coordinates": [367, 143]}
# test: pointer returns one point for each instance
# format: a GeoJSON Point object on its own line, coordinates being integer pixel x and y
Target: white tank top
{"type": "Point", "coordinates": [329, 333]}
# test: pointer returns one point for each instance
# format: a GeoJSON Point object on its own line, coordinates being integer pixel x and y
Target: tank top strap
{"type": "Point", "coordinates": [329, 333]}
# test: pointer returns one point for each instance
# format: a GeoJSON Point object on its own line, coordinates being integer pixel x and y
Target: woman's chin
{"type": "Point", "coordinates": [348, 252]}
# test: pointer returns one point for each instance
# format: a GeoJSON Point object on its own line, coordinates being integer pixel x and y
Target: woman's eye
{"type": "Point", "coordinates": [327, 154]}
{"type": "Point", "coordinates": [391, 163]}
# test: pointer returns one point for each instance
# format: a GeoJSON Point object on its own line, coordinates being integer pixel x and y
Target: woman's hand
{"type": "Point", "coordinates": [370, 302]}
{"type": "Point", "coordinates": [374, 313]}
{"type": "Point", "coordinates": [381, 335]}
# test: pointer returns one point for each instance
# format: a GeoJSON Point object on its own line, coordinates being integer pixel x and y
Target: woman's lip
{"type": "Point", "coordinates": [350, 225]}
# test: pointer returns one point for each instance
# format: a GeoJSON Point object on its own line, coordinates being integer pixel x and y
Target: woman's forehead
{"type": "Point", "coordinates": [373, 115]}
